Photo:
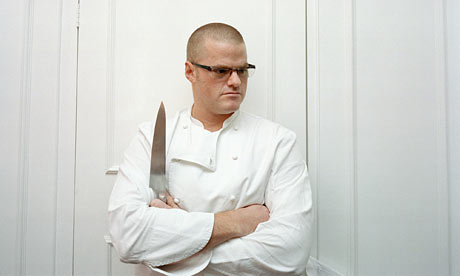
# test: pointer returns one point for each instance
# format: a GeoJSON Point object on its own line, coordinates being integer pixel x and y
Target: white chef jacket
{"type": "Point", "coordinates": [250, 160]}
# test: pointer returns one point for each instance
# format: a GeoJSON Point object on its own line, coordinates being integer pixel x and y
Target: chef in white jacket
{"type": "Point", "coordinates": [239, 199]}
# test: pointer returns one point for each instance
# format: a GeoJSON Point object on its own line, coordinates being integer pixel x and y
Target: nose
{"type": "Point", "coordinates": [234, 80]}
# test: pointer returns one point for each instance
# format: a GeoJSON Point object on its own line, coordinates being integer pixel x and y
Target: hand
{"type": "Point", "coordinates": [250, 217]}
{"type": "Point", "coordinates": [237, 223]}
{"type": "Point", "coordinates": [160, 204]}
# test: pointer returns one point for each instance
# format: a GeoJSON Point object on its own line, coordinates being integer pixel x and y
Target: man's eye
{"type": "Point", "coordinates": [222, 71]}
{"type": "Point", "coordinates": [242, 71]}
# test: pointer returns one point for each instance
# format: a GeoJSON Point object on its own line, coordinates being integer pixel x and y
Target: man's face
{"type": "Point", "coordinates": [219, 96]}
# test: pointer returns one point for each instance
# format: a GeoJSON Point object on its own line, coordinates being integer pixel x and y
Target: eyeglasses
{"type": "Point", "coordinates": [225, 72]}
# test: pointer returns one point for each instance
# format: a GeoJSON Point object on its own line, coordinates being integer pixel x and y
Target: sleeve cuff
{"type": "Point", "coordinates": [192, 262]}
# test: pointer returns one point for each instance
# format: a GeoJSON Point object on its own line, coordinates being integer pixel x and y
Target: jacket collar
{"type": "Point", "coordinates": [226, 123]}
{"type": "Point", "coordinates": [203, 153]}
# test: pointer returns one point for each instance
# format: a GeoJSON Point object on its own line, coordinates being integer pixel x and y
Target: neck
{"type": "Point", "coordinates": [211, 122]}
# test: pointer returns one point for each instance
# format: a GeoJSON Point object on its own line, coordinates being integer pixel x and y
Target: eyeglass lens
{"type": "Point", "coordinates": [226, 72]}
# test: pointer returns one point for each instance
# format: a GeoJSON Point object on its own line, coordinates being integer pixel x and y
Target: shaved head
{"type": "Point", "coordinates": [212, 31]}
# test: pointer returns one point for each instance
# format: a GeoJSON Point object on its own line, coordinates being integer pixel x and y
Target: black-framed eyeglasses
{"type": "Point", "coordinates": [225, 72]}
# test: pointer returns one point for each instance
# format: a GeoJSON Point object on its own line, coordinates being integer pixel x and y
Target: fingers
{"type": "Point", "coordinates": [166, 205]}
{"type": "Point", "coordinates": [159, 204]}
{"type": "Point", "coordinates": [170, 201]}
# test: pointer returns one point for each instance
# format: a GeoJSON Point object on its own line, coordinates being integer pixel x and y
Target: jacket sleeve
{"type": "Point", "coordinates": [149, 235]}
{"type": "Point", "coordinates": [280, 246]}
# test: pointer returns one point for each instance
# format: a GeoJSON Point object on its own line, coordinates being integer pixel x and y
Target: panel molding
{"type": "Point", "coordinates": [351, 130]}
{"type": "Point", "coordinates": [109, 258]}
{"type": "Point", "coordinates": [111, 93]}
{"type": "Point", "coordinates": [58, 136]}
{"type": "Point", "coordinates": [108, 241]}
{"type": "Point", "coordinates": [23, 172]}
{"type": "Point", "coordinates": [313, 108]}
{"type": "Point", "coordinates": [66, 131]}
{"type": "Point", "coordinates": [111, 167]}
{"type": "Point", "coordinates": [442, 184]}
{"type": "Point", "coordinates": [314, 122]}
{"type": "Point", "coordinates": [271, 57]}
{"type": "Point", "coordinates": [112, 170]}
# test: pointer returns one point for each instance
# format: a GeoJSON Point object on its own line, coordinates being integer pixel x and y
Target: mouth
{"type": "Point", "coordinates": [231, 93]}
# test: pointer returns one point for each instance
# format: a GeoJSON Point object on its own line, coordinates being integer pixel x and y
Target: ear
{"type": "Point", "coordinates": [190, 72]}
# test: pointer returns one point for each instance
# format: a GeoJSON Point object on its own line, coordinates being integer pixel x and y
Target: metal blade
{"type": "Point", "coordinates": [158, 159]}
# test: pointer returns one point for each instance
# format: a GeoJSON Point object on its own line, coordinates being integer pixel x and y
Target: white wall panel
{"type": "Point", "coordinates": [333, 149]}
{"type": "Point", "coordinates": [378, 137]}
{"type": "Point", "coordinates": [13, 30]}
{"type": "Point", "coordinates": [40, 199]}
{"type": "Point", "coordinates": [289, 67]}
{"type": "Point", "coordinates": [32, 77]}
{"type": "Point", "coordinates": [92, 187]}
{"type": "Point", "coordinates": [397, 139]}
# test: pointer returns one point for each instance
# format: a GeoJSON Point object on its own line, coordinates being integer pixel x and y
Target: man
{"type": "Point", "coordinates": [239, 199]}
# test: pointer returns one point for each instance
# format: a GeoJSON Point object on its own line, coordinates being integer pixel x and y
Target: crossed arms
{"type": "Point", "coordinates": [248, 241]}
{"type": "Point", "coordinates": [229, 224]}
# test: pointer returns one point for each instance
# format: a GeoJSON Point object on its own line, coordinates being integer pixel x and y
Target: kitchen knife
{"type": "Point", "coordinates": [158, 181]}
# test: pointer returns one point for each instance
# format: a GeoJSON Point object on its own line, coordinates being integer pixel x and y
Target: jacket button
{"type": "Point", "coordinates": [235, 128]}
{"type": "Point", "coordinates": [176, 200]}
{"type": "Point", "coordinates": [185, 126]}
{"type": "Point", "coordinates": [234, 157]}
{"type": "Point", "coordinates": [232, 198]}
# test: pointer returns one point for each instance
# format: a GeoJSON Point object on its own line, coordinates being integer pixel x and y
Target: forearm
{"type": "Point", "coordinates": [224, 228]}
{"type": "Point", "coordinates": [236, 223]}
{"type": "Point", "coordinates": [279, 247]}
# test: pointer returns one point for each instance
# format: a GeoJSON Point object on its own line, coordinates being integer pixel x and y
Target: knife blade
{"type": "Point", "coordinates": [158, 181]}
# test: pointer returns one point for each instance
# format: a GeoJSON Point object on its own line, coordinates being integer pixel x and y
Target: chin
{"type": "Point", "coordinates": [231, 108]}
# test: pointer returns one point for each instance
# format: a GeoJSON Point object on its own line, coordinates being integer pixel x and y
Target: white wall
{"type": "Point", "coordinates": [378, 152]}
{"type": "Point", "coordinates": [376, 83]}
{"type": "Point", "coordinates": [37, 107]}
{"type": "Point", "coordinates": [453, 126]}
